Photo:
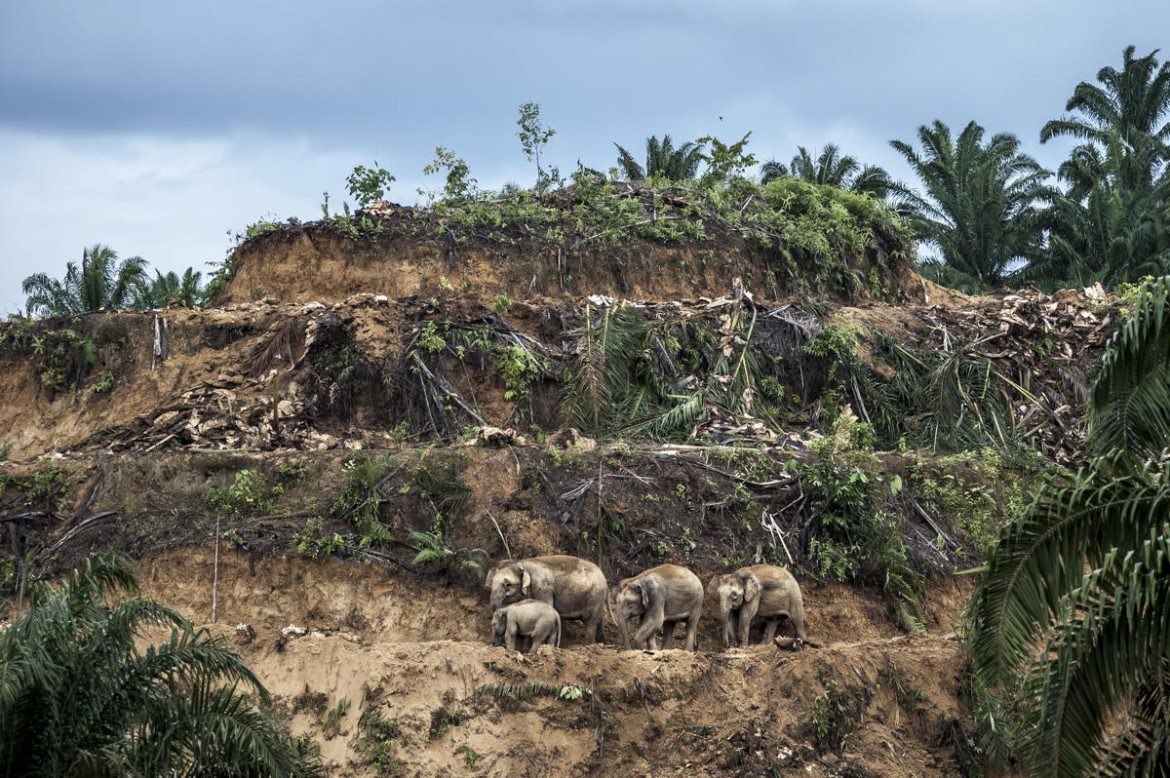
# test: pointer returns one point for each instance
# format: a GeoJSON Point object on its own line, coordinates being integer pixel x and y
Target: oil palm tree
{"type": "Point", "coordinates": [832, 169]}
{"type": "Point", "coordinates": [663, 160]}
{"type": "Point", "coordinates": [1072, 618]}
{"type": "Point", "coordinates": [1099, 229]}
{"type": "Point", "coordinates": [979, 205]}
{"type": "Point", "coordinates": [163, 288]}
{"type": "Point", "coordinates": [100, 282]}
{"type": "Point", "coordinates": [1118, 179]}
{"type": "Point", "coordinates": [81, 694]}
{"type": "Point", "coordinates": [1132, 105]}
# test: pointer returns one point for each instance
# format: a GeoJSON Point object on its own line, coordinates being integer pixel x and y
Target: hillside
{"type": "Point", "coordinates": [707, 400]}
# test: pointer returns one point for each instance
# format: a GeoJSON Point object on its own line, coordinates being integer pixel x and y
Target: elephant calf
{"type": "Point", "coordinates": [766, 591]}
{"type": "Point", "coordinates": [528, 621]}
{"type": "Point", "coordinates": [663, 596]}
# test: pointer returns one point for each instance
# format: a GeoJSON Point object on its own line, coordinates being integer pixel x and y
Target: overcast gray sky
{"type": "Point", "coordinates": [159, 128]}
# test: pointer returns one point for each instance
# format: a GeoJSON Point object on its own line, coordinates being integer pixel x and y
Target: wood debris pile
{"type": "Point", "coordinates": [212, 415]}
{"type": "Point", "coordinates": [278, 385]}
{"type": "Point", "coordinates": [1046, 348]}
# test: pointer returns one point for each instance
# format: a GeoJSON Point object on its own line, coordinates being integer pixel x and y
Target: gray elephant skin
{"type": "Point", "coordinates": [662, 597]}
{"type": "Point", "coordinates": [575, 587]}
{"type": "Point", "coordinates": [526, 626]}
{"type": "Point", "coordinates": [759, 591]}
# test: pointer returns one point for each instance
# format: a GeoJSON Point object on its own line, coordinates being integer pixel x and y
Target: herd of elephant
{"type": "Point", "coordinates": [530, 597]}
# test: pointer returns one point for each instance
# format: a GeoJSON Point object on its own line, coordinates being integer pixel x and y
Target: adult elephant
{"type": "Point", "coordinates": [575, 587]}
{"type": "Point", "coordinates": [765, 591]}
{"type": "Point", "coordinates": [662, 596]}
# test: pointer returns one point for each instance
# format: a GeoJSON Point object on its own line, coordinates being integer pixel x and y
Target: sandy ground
{"type": "Point", "coordinates": [410, 658]}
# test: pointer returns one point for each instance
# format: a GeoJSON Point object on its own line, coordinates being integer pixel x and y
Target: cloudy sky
{"type": "Point", "coordinates": [162, 128]}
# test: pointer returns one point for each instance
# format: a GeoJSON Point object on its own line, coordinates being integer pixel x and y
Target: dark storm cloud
{"type": "Point", "coordinates": [163, 125]}
{"type": "Point", "coordinates": [363, 71]}
{"type": "Point", "coordinates": [313, 67]}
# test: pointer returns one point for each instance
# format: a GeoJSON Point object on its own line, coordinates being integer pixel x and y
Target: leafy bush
{"type": "Point", "coordinates": [62, 358]}
{"type": "Point", "coordinates": [857, 539]}
{"type": "Point", "coordinates": [365, 185]}
{"type": "Point", "coordinates": [248, 495]}
{"type": "Point", "coordinates": [836, 716]}
{"type": "Point", "coordinates": [378, 741]}
{"type": "Point", "coordinates": [46, 489]}
{"type": "Point", "coordinates": [358, 502]}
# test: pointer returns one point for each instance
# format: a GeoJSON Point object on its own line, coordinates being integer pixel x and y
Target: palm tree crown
{"type": "Point", "coordinates": [187, 289]}
{"type": "Point", "coordinates": [81, 695]}
{"type": "Point", "coordinates": [1111, 224]}
{"type": "Point", "coordinates": [663, 160]}
{"type": "Point", "coordinates": [980, 201]}
{"type": "Point", "coordinates": [1131, 105]}
{"type": "Point", "coordinates": [830, 168]}
{"type": "Point", "coordinates": [101, 282]}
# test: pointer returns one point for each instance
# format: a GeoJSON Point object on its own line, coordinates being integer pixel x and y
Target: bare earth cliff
{"type": "Point", "coordinates": [353, 401]}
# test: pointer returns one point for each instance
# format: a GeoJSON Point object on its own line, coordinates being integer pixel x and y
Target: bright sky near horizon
{"type": "Point", "coordinates": [161, 128]}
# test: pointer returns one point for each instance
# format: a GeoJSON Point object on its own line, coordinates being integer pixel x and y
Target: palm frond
{"type": "Point", "coordinates": [608, 342]}
{"type": "Point", "coordinates": [669, 423]}
{"type": "Point", "coordinates": [1131, 395]}
{"type": "Point", "coordinates": [1042, 556]}
{"type": "Point", "coordinates": [80, 694]}
{"type": "Point", "coordinates": [1110, 643]}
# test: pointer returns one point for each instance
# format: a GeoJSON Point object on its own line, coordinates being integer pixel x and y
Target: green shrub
{"type": "Point", "coordinates": [358, 502]}
{"type": "Point", "coordinates": [248, 495]}
{"type": "Point", "coordinates": [836, 716]}
{"type": "Point", "coordinates": [46, 489]}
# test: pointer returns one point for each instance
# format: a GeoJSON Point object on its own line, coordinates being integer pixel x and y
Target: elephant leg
{"type": "Point", "coordinates": [647, 631]}
{"type": "Point", "coordinates": [510, 639]}
{"type": "Point", "coordinates": [745, 630]}
{"type": "Point", "coordinates": [692, 632]}
{"type": "Point", "coordinates": [668, 634]}
{"type": "Point", "coordinates": [770, 629]}
{"type": "Point", "coordinates": [593, 628]}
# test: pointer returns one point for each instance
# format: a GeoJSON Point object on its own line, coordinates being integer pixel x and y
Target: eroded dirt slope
{"type": "Point", "coordinates": [427, 696]}
{"type": "Point", "coordinates": [314, 376]}
{"type": "Point", "coordinates": [405, 645]}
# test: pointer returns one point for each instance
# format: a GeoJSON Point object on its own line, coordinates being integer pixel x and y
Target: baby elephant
{"type": "Point", "coordinates": [663, 596]}
{"type": "Point", "coordinates": [530, 623]}
{"type": "Point", "coordinates": [764, 591]}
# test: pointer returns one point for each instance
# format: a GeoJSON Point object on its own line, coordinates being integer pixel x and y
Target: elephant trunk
{"type": "Point", "coordinates": [621, 620]}
{"type": "Point", "coordinates": [728, 612]}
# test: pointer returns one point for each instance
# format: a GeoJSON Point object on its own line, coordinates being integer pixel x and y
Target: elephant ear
{"type": "Point", "coordinates": [498, 620]}
{"type": "Point", "coordinates": [751, 587]}
{"type": "Point", "coordinates": [713, 587]}
{"type": "Point", "coordinates": [487, 582]}
{"type": "Point", "coordinates": [526, 584]}
{"type": "Point", "coordinates": [651, 593]}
